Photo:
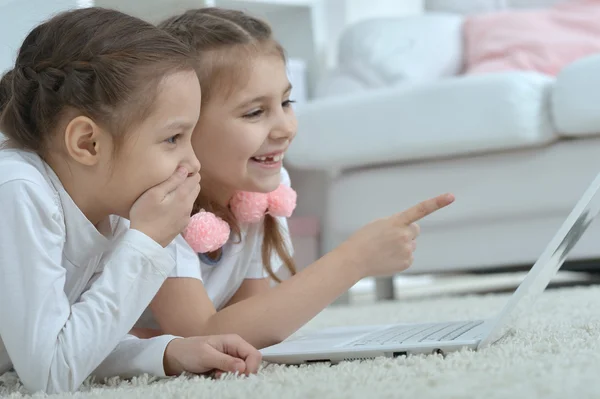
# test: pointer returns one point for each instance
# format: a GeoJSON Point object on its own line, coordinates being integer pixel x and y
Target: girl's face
{"type": "Point", "coordinates": [242, 136]}
{"type": "Point", "coordinates": [159, 145]}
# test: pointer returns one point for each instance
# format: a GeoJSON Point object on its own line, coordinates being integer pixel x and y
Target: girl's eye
{"type": "Point", "coordinates": [173, 139]}
{"type": "Point", "coordinates": [287, 103]}
{"type": "Point", "coordinates": [254, 114]}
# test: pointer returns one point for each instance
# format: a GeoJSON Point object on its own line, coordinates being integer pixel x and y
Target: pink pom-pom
{"type": "Point", "coordinates": [206, 232]}
{"type": "Point", "coordinates": [282, 201]}
{"type": "Point", "coordinates": [248, 207]}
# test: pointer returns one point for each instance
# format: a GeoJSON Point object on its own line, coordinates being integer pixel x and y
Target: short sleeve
{"type": "Point", "coordinates": [187, 263]}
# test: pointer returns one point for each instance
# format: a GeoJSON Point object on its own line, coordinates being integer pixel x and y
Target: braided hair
{"type": "Point", "coordinates": [95, 62]}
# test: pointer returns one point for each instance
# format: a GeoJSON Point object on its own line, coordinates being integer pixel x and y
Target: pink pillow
{"type": "Point", "coordinates": [542, 40]}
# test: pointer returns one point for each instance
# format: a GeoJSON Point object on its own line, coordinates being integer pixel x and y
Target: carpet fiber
{"type": "Point", "coordinates": [556, 354]}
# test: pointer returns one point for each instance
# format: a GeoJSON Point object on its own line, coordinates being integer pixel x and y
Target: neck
{"type": "Point", "coordinates": [219, 193]}
{"type": "Point", "coordinates": [81, 189]}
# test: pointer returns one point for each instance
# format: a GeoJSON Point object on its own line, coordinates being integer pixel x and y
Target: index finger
{"type": "Point", "coordinates": [425, 208]}
{"type": "Point", "coordinates": [174, 181]}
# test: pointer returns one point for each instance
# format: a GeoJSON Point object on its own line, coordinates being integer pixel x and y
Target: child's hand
{"type": "Point", "coordinates": [385, 247]}
{"type": "Point", "coordinates": [164, 211]}
{"type": "Point", "coordinates": [221, 353]}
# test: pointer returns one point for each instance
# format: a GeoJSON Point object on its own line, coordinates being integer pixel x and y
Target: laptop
{"type": "Point", "coordinates": [339, 344]}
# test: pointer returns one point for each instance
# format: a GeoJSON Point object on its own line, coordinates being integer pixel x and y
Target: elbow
{"type": "Point", "coordinates": [50, 379]}
{"type": "Point", "coordinates": [49, 386]}
{"type": "Point", "coordinates": [33, 385]}
{"type": "Point", "coordinates": [55, 389]}
{"type": "Point", "coordinates": [50, 367]}
{"type": "Point", "coordinates": [63, 384]}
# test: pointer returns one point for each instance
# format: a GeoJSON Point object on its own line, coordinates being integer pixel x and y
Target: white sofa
{"type": "Point", "coordinates": [516, 148]}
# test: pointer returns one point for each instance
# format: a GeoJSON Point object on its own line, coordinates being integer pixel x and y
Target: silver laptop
{"type": "Point", "coordinates": [351, 343]}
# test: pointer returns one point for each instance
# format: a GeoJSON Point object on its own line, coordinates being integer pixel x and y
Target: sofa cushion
{"type": "Point", "coordinates": [576, 98]}
{"type": "Point", "coordinates": [542, 40]}
{"type": "Point", "coordinates": [381, 51]}
{"type": "Point", "coordinates": [475, 6]}
{"type": "Point", "coordinates": [337, 83]}
{"type": "Point", "coordinates": [451, 117]}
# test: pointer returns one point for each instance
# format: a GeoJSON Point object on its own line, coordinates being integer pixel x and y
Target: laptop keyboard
{"type": "Point", "coordinates": [417, 333]}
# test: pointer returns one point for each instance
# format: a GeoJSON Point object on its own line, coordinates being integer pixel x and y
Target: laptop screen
{"type": "Point", "coordinates": [547, 265]}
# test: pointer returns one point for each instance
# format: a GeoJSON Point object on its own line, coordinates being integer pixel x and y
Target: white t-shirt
{"type": "Point", "coordinates": [69, 294]}
{"type": "Point", "coordinates": [239, 261]}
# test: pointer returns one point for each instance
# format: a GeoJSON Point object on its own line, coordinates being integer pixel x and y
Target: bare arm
{"type": "Point", "coordinates": [249, 288]}
{"type": "Point", "coordinates": [183, 308]}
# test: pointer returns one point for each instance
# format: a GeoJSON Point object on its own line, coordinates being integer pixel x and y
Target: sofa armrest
{"type": "Point", "coordinates": [382, 51]}
{"type": "Point", "coordinates": [576, 96]}
{"type": "Point", "coordinates": [450, 117]}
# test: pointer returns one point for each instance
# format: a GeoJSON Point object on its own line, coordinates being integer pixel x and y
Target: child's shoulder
{"type": "Point", "coordinates": [24, 172]}
{"type": "Point", "coordinates": [24, 166]}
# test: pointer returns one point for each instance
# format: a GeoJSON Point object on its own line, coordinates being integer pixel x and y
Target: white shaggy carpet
{"type": "Point", "coordinates": [555, 355]}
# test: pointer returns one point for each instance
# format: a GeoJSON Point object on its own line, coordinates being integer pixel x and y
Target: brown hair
{"type": "Point", "coordinates": [218, 38]}
{"type": "Point", "coordinates": [95, 62]}
{"type": "Point", "coordinates": [5, 89]}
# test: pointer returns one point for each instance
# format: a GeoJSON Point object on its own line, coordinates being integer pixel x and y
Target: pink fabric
{"type": "Point", "coordinates": [543, 40]}
{"type": "Point", "coordinates": [282, 201]}
{"type": "Point", "coordinates": [207, 232]}
{"type": "Point", "coordinates": [248, 207]}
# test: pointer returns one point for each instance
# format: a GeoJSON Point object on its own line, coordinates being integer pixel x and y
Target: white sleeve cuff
{"type": "Point", "coordinates": [134, 357]}
{"type": "Point", "coordinates": [154, 355]}
{"type": "Point", "coordinates": [159, 257]}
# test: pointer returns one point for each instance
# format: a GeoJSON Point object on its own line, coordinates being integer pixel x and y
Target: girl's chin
{"type": "Point", "coordinates": [263, 185]}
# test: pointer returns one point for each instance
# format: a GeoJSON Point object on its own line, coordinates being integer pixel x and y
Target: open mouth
{"type": "Point", "coordinates": [267, 160]}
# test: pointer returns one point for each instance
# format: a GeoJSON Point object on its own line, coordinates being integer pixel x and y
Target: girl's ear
{"type": "Point", "coordinates": [84, 140]}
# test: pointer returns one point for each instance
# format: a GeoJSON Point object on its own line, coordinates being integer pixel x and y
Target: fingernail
{"type": "Point", "coordinates": [240, 366]}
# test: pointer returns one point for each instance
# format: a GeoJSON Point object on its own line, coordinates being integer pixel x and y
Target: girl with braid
{"type": "Point", "coordinates": [97, 180]}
